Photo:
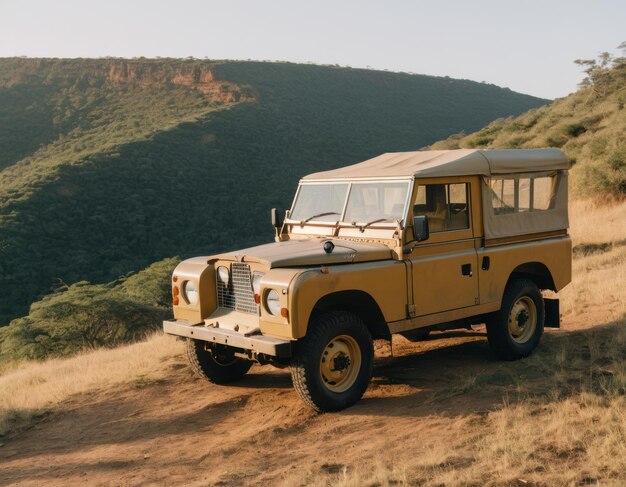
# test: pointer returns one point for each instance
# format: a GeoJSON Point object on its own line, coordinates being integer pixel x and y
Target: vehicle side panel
{"type": "Point", "coordinates": [554, 253]}
{"type": "Point", "coordinates": [385, 282]}
{"type": "Point", "coordinates": [438, 282]}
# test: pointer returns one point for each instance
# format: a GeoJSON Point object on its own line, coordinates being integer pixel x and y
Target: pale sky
{"type": "Point", "coordinates": [528, 46]}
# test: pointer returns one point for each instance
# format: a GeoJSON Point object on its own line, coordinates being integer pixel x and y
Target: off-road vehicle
{"type": "Point", "coordinates": [404, 243]}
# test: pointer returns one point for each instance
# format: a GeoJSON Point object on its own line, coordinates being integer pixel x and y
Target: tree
{"type": "Point", "coordinates": [600, 71]}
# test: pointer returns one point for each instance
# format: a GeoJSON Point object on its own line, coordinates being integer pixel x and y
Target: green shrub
{"type": "Point", "coordinates": [597, 147]}
{"type": "Point", "coordinates": [574, 129]}
{"type": "Point", "coordinates": [599, 178]}
{"type": "Point", "coordinates": [86, 315]}
{"type": "Point", "coordinates": [617, 160]}
{"type": "Point", "coordinates": [481, 141]}
{"type": "Point", "coordinates": [516, 142]}
{"type": "Point", "coordinates": [556, 140]}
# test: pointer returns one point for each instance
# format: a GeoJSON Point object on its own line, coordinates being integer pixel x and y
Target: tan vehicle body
{"type": "Point", "coordinates": [380, 273]}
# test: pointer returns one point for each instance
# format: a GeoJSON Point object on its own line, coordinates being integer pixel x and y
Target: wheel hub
{"type": "Point", "coordinates": [522, 319]}
{"type": "Point", "coordinates": [340, 363]}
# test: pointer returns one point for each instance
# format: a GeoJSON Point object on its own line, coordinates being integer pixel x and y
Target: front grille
{"type": "Point", "coordinates": [238, 295]}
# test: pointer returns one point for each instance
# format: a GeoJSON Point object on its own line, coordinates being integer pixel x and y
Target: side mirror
{"type": "Point", "coordinates": [420, 228]}
{"type": "Point", "coordinates": [276, 223]}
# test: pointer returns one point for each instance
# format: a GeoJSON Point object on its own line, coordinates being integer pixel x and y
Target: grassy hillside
{"type": "Point", "coordinates": [109, 165]}
{"type": "Point", "coordinates": [589, 125]}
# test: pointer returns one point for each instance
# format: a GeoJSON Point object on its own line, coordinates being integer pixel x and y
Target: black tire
{"type": "Point", "coordinates": [219, 366]}
{"type": "Point", "coordinates": [508, 337]}
{"type": "Point", "coordinates": [343, 331]}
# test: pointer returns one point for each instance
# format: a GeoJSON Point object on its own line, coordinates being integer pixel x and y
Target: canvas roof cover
{"type": "Point", "coordinates": [441, 163]}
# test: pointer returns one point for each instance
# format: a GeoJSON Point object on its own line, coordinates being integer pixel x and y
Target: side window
{"type": "Point", "coordinates": [503, 196]}
{"type": "Point", "coordinates": [543, 194]}
{"type": "Point", "coordinates": [515, 194]}
{"type": "Point", "coordinates": [446, 206]}
{"type": "Point", "coordinates": [524, 194]}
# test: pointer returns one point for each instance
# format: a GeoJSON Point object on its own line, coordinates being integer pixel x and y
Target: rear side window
{"type": "Point", "coordinates": [446, 206]}
{"type": "Point", "coordinates": [518, 194]}
{"type": "Point", "coordinates": [543, 191]}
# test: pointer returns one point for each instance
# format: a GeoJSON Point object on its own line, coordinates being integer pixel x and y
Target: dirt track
{"type": "Point", "coordinates": [185, 431]}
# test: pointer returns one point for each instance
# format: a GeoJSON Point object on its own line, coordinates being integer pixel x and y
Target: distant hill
{"type": "Point", "coordinates": [109, 165]}
{"type": "Point", "coordinates": [589, 126]}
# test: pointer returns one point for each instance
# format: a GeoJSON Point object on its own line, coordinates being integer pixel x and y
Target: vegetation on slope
{"type": "Point", "coordinates": [589, 125]}
{"type": "Point", "coordinates": [128, 162]}
{"type": "Point", "coordinates": [87, 316]}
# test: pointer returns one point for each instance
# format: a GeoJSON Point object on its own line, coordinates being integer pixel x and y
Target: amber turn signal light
{"type": "Point", "coordinates": [284, 312]}
{"type": "Point", "coordinates": [175, 300]}
{"type": "Point", "coordinates": [175, 291]}
{"type": "Point", "coordinates": [257, 299]}
{"type": "Point", "coordinates": [175, 278]}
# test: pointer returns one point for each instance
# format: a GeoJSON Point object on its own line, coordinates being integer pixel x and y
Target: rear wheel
{"type": "Point", "coordinates": [515, 330]}
{"type": "Point", "coordinates": [332, 365]}
{"type": "Point", "coordinates": [218, 365]}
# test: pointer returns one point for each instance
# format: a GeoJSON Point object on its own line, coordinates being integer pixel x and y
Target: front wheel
{"type": "Point", "coordinates": [332, 365]}
{"type": "Point", "coordinates": [218, 365]}
{"type": "Point", "coordinates": [514, 331]}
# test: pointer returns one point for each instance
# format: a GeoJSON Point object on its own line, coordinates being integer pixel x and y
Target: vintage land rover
{"type": "Point", "coordinates": [402, 243]}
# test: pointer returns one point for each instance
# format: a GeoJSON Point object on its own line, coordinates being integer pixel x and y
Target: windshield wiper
{"type": "Point", "coordinates": [302, 222]}
{"type": "Point", "coordinates": [363, 227]}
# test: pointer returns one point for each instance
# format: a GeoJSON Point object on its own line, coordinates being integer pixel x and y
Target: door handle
{"type": "Point", "coordinates": [466, 270]}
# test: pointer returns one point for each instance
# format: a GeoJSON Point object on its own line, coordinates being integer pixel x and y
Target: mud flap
{"type": "Point", "coordinates": [553, 316]}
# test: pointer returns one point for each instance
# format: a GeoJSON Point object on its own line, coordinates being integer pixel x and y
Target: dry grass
{"type": "Point", "coordinates": [575, 432]}
{"type": "Point", "coordinates": [597, 222]}
{"type": "Point", "coordinates": [566, 424]}
{"type": "Point", "coordinates": [31, 389]}
{"type": "Point", "coordinates": [598, 232]}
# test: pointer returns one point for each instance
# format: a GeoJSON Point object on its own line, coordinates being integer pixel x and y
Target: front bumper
{"type": "Point", "coordinates": [256, 343]}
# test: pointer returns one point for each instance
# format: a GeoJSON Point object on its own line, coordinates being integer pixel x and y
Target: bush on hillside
{"type": "Point", "coordinates": [89, 316]}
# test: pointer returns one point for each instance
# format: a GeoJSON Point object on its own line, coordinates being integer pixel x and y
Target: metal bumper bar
{"type": "Point", "coordinates": [256, 343]}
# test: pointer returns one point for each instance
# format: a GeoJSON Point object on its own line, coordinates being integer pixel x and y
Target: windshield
{"type": "Point", "coordinates": [366, 202]}
{"type": "Point", "coordinates": [376, 201]}
{"type": "Point", "coordinates": [320, 202]}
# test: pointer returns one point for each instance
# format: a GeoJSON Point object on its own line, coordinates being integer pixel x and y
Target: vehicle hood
{"type": "Point", "coordinates": [291, 253]}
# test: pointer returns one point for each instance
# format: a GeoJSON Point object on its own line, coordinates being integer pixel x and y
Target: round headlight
{"type": "Point", "coordinates": [256, 282]}
{"type": "Point", "coordinates": [272, 302]}
{"type": "Point", "coordinates": [190, 292]}
{"type": "Point", "coordinates": [223, 275]}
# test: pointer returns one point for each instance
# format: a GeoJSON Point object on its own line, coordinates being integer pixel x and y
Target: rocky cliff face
{"type": "Point", "coordinates": [196, 77]}
{"type": "Point", "coordinates": [138, 73]}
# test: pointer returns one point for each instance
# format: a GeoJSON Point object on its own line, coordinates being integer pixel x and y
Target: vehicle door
{"type": "Point", "coordinates": [444, 267]}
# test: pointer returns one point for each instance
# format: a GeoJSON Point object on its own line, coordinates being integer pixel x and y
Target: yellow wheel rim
{"type": "Point", "coordinates": [523, 319]}
{"type": "Point", "coordinates": [340, 363]}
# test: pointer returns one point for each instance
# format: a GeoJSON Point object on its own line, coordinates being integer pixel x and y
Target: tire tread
{"type": "Point", "coordinates": [318, 330]}
{"type": "Point", "coordinates": [203, 366]}
{"type": "Point", "coordinates": [497, 323]}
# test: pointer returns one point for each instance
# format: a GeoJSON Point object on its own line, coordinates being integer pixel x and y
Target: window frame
{"type": "Point", "coordinates": [471, 183]}
{"type": "Point", "coordinates": [350, 182]}
{"type": "Point", "coordinates": [516, 192]}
